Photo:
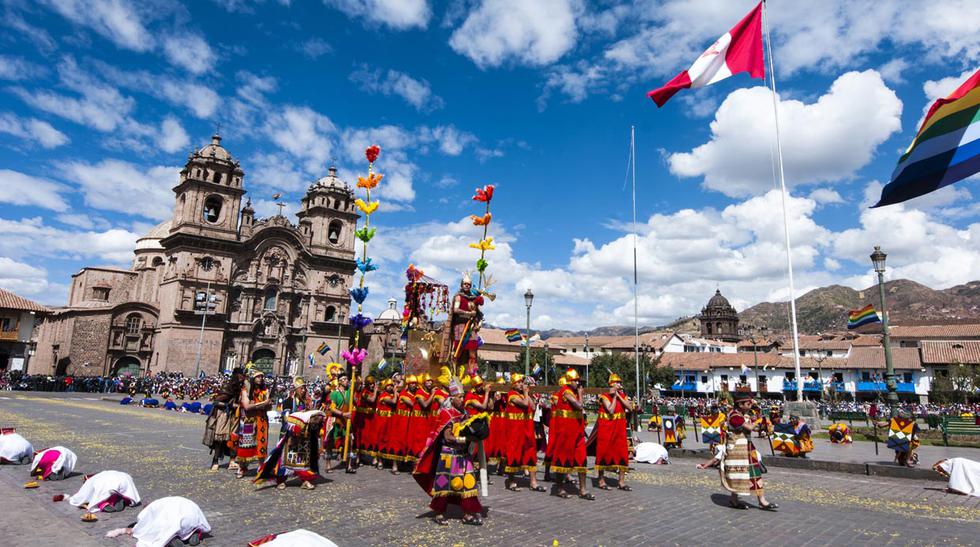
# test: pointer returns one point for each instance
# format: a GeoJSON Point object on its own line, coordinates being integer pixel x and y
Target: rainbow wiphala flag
{"type": "Point", "coordinates": [513, 335]}
{"type": "Point", "coordinates": [863, 316]}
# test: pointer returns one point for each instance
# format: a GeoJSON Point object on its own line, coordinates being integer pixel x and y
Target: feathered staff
{"type": "Point", "coordinates": [485, 244]}
{"type": "Point", "coordinates": [360, 293]}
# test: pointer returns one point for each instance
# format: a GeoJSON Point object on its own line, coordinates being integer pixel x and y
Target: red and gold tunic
{"type": "Point", "coordinates": [520, 451]}
{"type": "Point", "coordinates": [400, 423]}
{"type": "Point", "coordinates": [418, 426]}
{"type": "Point", "coordinates": [438, 396]}
{"type": "Point", "coordinates": [363, 425]}
{"type": "Point", "coordinates": [612, 445]}
{"type": "Point", "coordinates": [566, 441]}
{"type": "Point", "coordinates": [496, 442]}
{"type": "Point", "coordinates": [383, 427]}
{"type": "Point", "coordinates": [252, 436]}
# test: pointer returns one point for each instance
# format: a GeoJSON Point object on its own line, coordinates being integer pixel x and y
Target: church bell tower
{"type": "Point", "coordinates": [209, 193]}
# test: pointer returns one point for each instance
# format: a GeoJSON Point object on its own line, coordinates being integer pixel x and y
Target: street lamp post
{"type": "Point", "coordinates": [878, 260]}
{"type": "Point", "coordinates": [528, 299]}
{"type": "Point", "coordinates": [206, 304]}
{"type": "Point", "coordinates": [588, 359]}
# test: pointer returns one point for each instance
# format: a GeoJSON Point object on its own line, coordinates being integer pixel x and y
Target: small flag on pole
{"type": "Point", "coordinates": [863, 316]}
{"type": "Point", "coordinates": [745, 369]}
{"type": "Point", "coordinates": [534, 338]}
{"type": "Point", "coordinates": [537, 370]}
{"type": "Point", "coordinates": [382, 364]}
{"type": "Point", "coordinates": [513, 335]}
{"type": "Point", "coordinates": [323, 349]}
{"type": "Point", "coordinates": [311, 359]}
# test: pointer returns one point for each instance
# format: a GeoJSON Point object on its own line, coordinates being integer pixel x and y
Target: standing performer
{"type": "Point", "coordinates": [221, 422]}
{"type": "Point", "coordinates": [384, 422]}
{"type": "Point", "coordinates": [520, 451]}
{"type": "Point", "coordinates": [567, 436]}
{"type": "Point", "coordinates": [903, 438]}
{"type": "Point", "coordinates": [741, 466]}
{"type": "Point", "coordinates": [340, 407]}
{"type": "Point", "coordinates": [253, 429]}
{"type": "Point", "coordinates": [460, 339]}
{"type": "Point", "coordinates": [297, 452]}
{"type": "Point", "coordinates": [399, 430]}
{"type": "Point", "coordinates": [363, 426]}
{"type": "Point", "coordinates": [497, 441]}
{"type": "Point", "coordinates": [445, 468]}
{"type": "Point", "coordinates": [437, 396]}
{"type": "Point", "coordinates": [612, 445]}
{"type": "Point", "coordinates": [477, 400]}
{"type": "Point", "coordinates": [418, 421]}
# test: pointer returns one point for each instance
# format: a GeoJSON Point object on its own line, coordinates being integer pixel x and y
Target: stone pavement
{"type": "Point", "coordinates": [670, 505]}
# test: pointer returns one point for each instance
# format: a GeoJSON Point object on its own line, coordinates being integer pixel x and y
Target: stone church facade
{"type": "Point", "coordinates": [274, 290]}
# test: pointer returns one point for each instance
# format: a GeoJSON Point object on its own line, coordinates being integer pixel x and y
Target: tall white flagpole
{"type": "Point", "coordinates": [636, 323]}
{"type": "Point", "coordinates": [784, 194]}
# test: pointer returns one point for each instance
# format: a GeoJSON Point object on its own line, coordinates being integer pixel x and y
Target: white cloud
{"type": "Point", "coordinates": [828, 140]}
{"type": "Point", "coordinates": [98, 105]}
{"type": "Point", "coordinates": [451, 141]}
{"type": "Point", "coordinates": [397, 14]}
{"type": "Point", "coordinates": [189, 51]}
{"type": "Point", "coordinates": [87, 221]}
{"type": "Point", "coordinates": [199, 99]}
{"type": "Point", "coordinates": [826, 196]}
{"type": "Point", "coordinates": [415, 92]}
{"type": "Point", "coordinates": [19, 189]}
{"type": "Point", "coordinates": [115, 20]}
{"type": "Point", "coordinates": [314, 48]}
{"type": "Point", "coordinates": [893, 70]}
{"type": "Point", "coordinates": [275, 172]}
{"type": "Point", "coordinates": [172, 136]}
{"type": "Point", "coordinates": [21, 278]}
{"type": "Point", "coordinates": [528, 33]}
{"type": "Point", "coordinates": [304, 133]}
{"type": "Point", "coordinates": [16, 68]}
{"type": "Point", "coordinates": [30, 237]}
{"type": "Point", "coordinates": [102, 183]}
{"type": "Point", "coordinates": [32, 129]}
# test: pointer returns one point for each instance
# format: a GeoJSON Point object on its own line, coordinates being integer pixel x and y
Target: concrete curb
{"type": "Point", "coordinates": [869, 469]}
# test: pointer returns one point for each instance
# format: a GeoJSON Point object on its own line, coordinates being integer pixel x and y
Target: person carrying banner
{"type": "Point", "coordinates": [713, 427]}
{"type": "Point", "coordinates": [792, 438]}
{"type": "Point", "coordinates": [741, 466]}
{"type": "Point", "coordinates": [609, 434]}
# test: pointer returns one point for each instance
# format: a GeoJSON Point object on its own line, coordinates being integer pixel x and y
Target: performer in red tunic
{"type": "Point", "coordinates": [363, 425]}
{"type": "Point", "coordinates": [495, 444]}
{"type": "Point", "coordinates": [477, 400]}
{"type": "Point", "coordinates": [566, 439]}
{"type": "Point", "coordinates": [418, 423]}
{"type": "Point", "coordinates": [401, 421]}
{"type": "Point", "coordinates": [383, 423]}
{"type": "Point", "coordinates": [460, 339]}
{"type": "Point", "coordinates": [520, 451]}
{"type": "Point", "coordinates": [437, 395]}
{"type": "Point", "coordinates": [611, 445]}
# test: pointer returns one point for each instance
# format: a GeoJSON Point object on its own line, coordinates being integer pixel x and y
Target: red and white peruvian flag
{"type": "Point", "coordinates": [739, 50]}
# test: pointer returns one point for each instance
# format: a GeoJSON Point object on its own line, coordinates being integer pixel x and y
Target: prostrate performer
{"type": "Point", "coordinates": [903, 438]}
{"type": "Point", "coordinates": [567, 436]}
{"type": "Point", "coordinates": [612, 446]}
{"type": "Point", "coordinates": [445, 468]}
{"type": "Point", "coordinates": [741, 466]}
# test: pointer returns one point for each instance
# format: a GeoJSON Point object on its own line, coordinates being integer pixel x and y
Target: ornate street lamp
{"type": "Point", "coordinates": [878, 260]}
{"type": "Point", "coordinates": [528, 299]}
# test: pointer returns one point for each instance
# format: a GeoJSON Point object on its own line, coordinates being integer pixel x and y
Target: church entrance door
{"type": "Point", "coordinates": [127, 366]}
{"type": "Point", "coordinates": [264, 360]}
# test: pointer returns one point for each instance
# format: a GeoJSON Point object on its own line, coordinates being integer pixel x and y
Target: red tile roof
{"type": "Point", "coordinates": [935, 352]}
{"type": "Point", "coordinates": [949, 332]}
{"type": "Point", "coordinates": [11, 301]}
{"type": "Point", "coordinates": [871, 357]}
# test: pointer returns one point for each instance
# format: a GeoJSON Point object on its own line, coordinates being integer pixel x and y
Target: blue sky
{"type": "Point", "coordinates": [101, 101]}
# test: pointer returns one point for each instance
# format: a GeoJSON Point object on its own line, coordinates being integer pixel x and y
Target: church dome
{"type": "Point", "coordinates": [390, 314]}
{"type": "Point", "coordinates": [151, 241]}
{"type": "Point", "coordinates": [214, 150]}
{"type": "Point", "coordinates": [718, 301]}
{"type": "Point", "coordinates": [331, 180]}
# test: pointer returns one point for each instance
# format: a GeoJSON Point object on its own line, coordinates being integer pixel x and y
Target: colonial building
{"type": "Point", "coordinates": [214, 287]}
{"type": "Point", "coordinates": [719, 319]}
{"type": "Point", "coordinates": [18, 316]}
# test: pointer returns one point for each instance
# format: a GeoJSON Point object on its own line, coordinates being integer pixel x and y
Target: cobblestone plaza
{"type": "Point", "coordinates": [670, 505]}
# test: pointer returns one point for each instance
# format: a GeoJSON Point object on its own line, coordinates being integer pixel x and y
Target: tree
{"type": "Point", "coordinates": [624, 365]}
{"type": "Point", "coordinates": [965, 380]}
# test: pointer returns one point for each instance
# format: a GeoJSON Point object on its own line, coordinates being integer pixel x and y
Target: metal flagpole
{"type": "Point", "coordinates": [783, 195]}
{"type": "Point", "coordinates": [636, 324]}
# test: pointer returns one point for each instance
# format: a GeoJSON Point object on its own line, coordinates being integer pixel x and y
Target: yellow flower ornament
{"type": "Point", "coordinates": [485, 245]}
{"type": "Point", "coordinates": [367, 208]}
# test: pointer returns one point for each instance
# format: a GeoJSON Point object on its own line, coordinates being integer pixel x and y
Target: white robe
{"type": "Point", "coordinates": [166, 518]}
{"type": "Point", "coordinates": [102, 486]}
{"type": "Point", "coordinates": [13, 447]}
{"type": "Point", "coordinates": [66, 460]}
{"type": "Point", "coordinates": [964, 475]}
{"type": "Point", "coordinates": [300, 538]}
{"type": "Point", "coordinates": [651, 453]}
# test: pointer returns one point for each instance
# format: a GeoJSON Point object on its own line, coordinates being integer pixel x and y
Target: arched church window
{"type": "Point", "coordinates": [133, 324]}
{"type": "Point", "coordinates": [333, 232]}
{"type": "Point", "coordinates": [709, 328]}
{"type": "Point", "coordinates": [212, 209]}
{"type": "Point", "coordinates": [157, 261]}
{"type": "Point", "coordinates": [718, 328]}
{"type": "Point", "coordinates": [330, 314]}
{"type": "Point", "coordinates": [270, 299]}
